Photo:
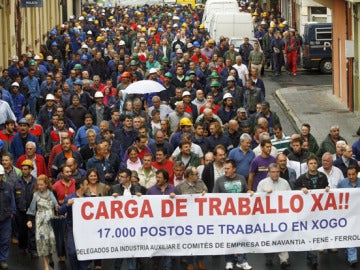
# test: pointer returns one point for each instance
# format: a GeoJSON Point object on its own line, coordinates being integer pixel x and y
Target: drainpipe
{"type": "Point", "coordinates": [349, 73]}
{"type": "Point", "coordinates": [18, 26]}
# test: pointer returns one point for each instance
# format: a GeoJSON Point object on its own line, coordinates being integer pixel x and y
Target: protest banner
{"type": "Point", "coordinates": [215, 224]}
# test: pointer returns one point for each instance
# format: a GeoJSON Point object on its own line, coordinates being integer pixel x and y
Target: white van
{"type": "Point", "coordinates": [213, 6]}
{"type": "Point", "coordinates": [235, 24]}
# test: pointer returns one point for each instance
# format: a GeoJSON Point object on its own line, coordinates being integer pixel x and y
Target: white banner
{"type": "Point", "coordinates": [215, 224]}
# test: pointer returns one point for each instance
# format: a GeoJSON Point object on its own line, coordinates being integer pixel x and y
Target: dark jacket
{"type": "Point", "coordinates": [60, 159]}
{"type": "Point", "coordinates": [208, 176]}
{"type": "Point", "coordinates": [119, 189]}
{"type": "Point", "coordinates": [305, 181]}
{"type": "Point", "coordinates": [106, 113]}
{"type": "Point", "coordinates": [17, 147]}
{"type": "Point", "coordinates": [23, 193]}
{"type": "Point", "coordinates": [7, 201]}
{"type": "Point", "coordinates": [328, 145]}
{"type": "Point", "coordinates": [103, 167]}
{"type": "Point", "coordinates": [76, 115]}
{"type": "Point", "coordinates": [341, 165]}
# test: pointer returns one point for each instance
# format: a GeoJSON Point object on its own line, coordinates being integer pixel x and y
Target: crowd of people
{"type": "Point", "coordinates": [69, 129]}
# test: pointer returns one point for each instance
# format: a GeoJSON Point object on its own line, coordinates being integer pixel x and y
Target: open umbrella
{"type": "Point", "coordinates": [144, 87]}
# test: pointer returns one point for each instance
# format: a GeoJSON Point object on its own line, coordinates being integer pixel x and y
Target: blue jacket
{"type": "Point", "coordinates": [23, 193]}
{"type": "Point", "coordinates": [17, 148]}
{"type": "Point", "coordinates": [7, 201]}
{"type": "Point", "coordinates": [103, 167]}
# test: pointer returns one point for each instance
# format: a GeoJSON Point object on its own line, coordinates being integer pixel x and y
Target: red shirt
{"type": "Point", "coordinates": [168, 165]}
{"type": "Point", "coordinates": [6, 136]}
{"type": "Point", "coordinates": [63, 190]}
{"type": "Point", "coordinates": [36, 130]}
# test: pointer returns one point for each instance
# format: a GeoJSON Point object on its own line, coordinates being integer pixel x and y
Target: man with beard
{"type": "Point", "coordinates": [20, 139]}
{"type": "Point", "coordinates": [215, 169]}
{"type": "Point", "coordinates": [329, 143]}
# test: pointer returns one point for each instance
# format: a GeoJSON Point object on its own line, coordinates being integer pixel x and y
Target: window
{"type": "Point", "coordinates": [323, 33]}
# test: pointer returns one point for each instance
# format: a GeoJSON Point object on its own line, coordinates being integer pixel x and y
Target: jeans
{"type": "Point", "coordinates": [5, 237]}
{"type": "Point", "coordinates": [32, 105]}
{"type": "Point", "coordinates": [239, 258]}
{"type": "Point", "coordinates": [312, 256]}
{"type": "Point", "coordinates": [352, 254]}
{"type": "Point", "coordinates": [131, 263]}
{"type": "Point", "coordinates": [75, 264]}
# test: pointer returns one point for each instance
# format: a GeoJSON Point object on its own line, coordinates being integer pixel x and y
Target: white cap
{"type": "Point", "coordinates": [15, 84]}
{"type": "Point", "coordinates": [91, 19]}
{"type": "Point", "coordinates": [50, 97]}
{"type": "Point", "coordinates": [175, 25]}
{"type": "Point", "coordinates": [15, 58]}
{"type": "Point", "coordinates": [230, 78]}
{"type": "Point", "coordinates": [98, 94]}
{"type": "Point", "coordinates": [89, 32]}
{"type": "Point", "coordinates": [227, 95]}
{"type": "Point", "coordinates": [84, 46]}
{"type": "Point", "coordinates": [49, 58]}
{"type": "Point", "coordinates": [179, 51]}
{"type": "Point", "coordinates": [36, 57]}
{"type": "Point", "coordinates": [189, 45]}
{"type": "Point", "coordinates": [81, 18]}
{"type": "Point", "coordinates": [186, 93]}
{"type": "Point", "coordinates": [152, 70]}
{"type": "Point", "coordinates": [122, 43]}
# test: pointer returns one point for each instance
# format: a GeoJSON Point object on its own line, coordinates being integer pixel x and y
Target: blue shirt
{"type": "Point", "coordinates": [33, 85]}
{"type": "Point", "coordinates": [80, 139]}
{"type": "Point", "coordinates": [155, 190]}
{"type": "Point", "coordinates": [242, 160]}
{"type": "Point", "coordinates": [345, 183]}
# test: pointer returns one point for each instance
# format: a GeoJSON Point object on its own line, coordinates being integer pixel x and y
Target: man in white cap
{"type": "Point", "coordinates": [98, 110]}
{"type": "Point", "coordinates": [14, 67]}
{"type": "Point", "coordinates": [19, 101]}
{"type": "Point", "coordinates": [47, 111]}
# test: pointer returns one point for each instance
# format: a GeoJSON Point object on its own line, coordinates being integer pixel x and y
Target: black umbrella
{"type": "Point", "coordinates": [58, 223]}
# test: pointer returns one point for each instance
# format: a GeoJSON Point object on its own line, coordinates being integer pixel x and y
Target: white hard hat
{"type": "Point", "coordinates": [122, 43]}
{"type": "Point", "coordinates": [15, 84]}
{"type": "Point", "coordinates": [84, 46]}
{"type": "Point", "coordinates": [50, 97]}
{"type": "Point", "coordinates": [186, 93]}
{"type": "Point", "coordinates": [81, 18]}
{"type": "Point", "coordinates": [227, 95]}
{"type": "Point", "coordinates": [152, 70]}
{"type": "Point", "coordinates": [98, 94]}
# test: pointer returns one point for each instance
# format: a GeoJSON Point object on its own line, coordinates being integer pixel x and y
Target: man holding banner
{"type": "Point", "coordinates": [232, 182]}
{"type": "Point", "coordinates": [269, 184]}
{"type": "Point", "coordinates": [81, 187]}
{"type": "Point", "coordinates": [312, 179]}
{"type": "Point", "coordinates": [352, 181]}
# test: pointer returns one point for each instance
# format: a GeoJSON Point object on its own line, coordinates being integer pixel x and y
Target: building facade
{"type": "Point", "coordinates": [25, 28]}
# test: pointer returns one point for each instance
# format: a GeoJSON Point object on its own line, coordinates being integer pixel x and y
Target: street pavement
{"type": "Point", "coordinates": [317, 106]}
